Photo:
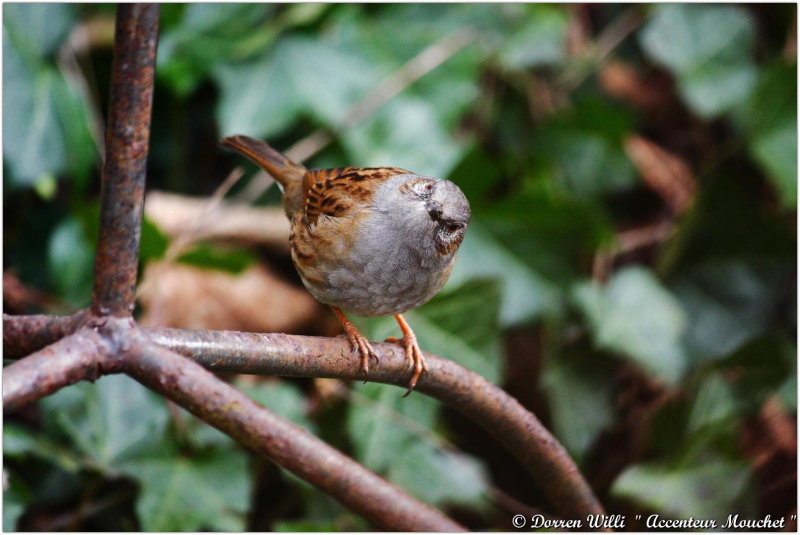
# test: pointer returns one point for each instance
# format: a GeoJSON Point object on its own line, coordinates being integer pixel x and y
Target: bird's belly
{"type": "Point", "coordinates": [376, 286]}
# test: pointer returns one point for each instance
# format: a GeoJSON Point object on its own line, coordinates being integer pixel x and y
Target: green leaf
{"type": "Point", "coordinates": [726, 223]}
{"type": "Point", "coordinates": [580, 398]}
{"type": "Point", "coordinates": [770, 121]}
{"type": "Point", "coordinates": [73, 113]}
{"type": "Point", "coordinates": [712, 490]}
{"type": "Point", "coordinates": [550, 231]}
{"type": "Point", "coordinates": [19, 442]}
{"type": "Point", "coordinates": [70, 261]}
{"type": "Point", "coordinates": [709, 49]}
{"type": "Point", "coordinates": [37, 30]}
{"type": "Point", "coordinates": [405, 133]}
{"type": "Point", "coordinates": [440, 477]}
{"type": "Point", "coordinates": [111, 421]}
{"type": "Point", "coordinates": [392, 435]}
{"type": "Point", "coordinates": [539, 41]}
{"type": "Point", "coordinates": [715, 407]}
{"type": "Point", "coordinates": [588, 165]}
{"type": "Point", "coordinates": [788, 393]}
{"type": "Point", "coordinates": [306, 526]}
{"type": "Point", "coordinates": [255, 98]}
{"type": "Point", "coordinates": [153, 243]}
{"type": "Point", "coordinates": [381, 423]}
{"type": "Point", "coordinates": [525, 294]}
{"type": "Point", "coordinates": [45, 120]}
{"type": "Point", "coordinates": [210, 490]}
{"type": "Point", "coordinates": [728, 303]}
{"type": "Point", "coordinates": [762, 367]}
{"type": "Point", "coordinates": [637, 317]}
{"type": "Point", "coordinates": [232, 260]}
{"type": "Point", "coordinates": [208, 35]}
{"type": "Point", "coordinates": [284, 399]}
{"type": "Point", "coordinates": [33, 144]}
{"type": "Point", "coordinates": [16, 497]}
{"type": "Point", "coordinates": [297, 76]}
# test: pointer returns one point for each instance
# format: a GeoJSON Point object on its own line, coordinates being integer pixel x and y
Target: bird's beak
{"type": "Point", "coordinates": [434, 209]}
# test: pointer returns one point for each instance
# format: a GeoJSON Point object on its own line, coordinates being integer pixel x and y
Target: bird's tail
{"type": "Point", "coordinates": [284, 170]}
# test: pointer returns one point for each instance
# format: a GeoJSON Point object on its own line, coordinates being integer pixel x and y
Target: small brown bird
{"type": "Point", "coordinates": [373, 241]}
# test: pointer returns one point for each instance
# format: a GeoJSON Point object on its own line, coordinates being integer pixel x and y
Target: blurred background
{"type": "Point", "coordinates": [629, 273]}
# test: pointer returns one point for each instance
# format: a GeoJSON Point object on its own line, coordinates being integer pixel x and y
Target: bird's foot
{"type": "Point", "coordinates": [361, 345]}
{"type": "Point", "coordinates": [413, 352]}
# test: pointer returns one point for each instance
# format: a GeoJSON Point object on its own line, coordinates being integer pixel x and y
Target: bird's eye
{"type": "Point", "coordinates": [423, 189]}
{"type": "Point", "coordinates": [452, 228]}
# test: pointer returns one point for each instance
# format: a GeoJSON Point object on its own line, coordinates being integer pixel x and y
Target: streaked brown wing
{"type": "Point", "coordinates": [337, 192]}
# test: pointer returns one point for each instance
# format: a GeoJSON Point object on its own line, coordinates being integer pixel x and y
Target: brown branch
{"type": "Point", "coordinates": [22, 335]}
{"type": "Point", "coordinates": [222, 406]}
{"type": "Point", "coordinates": [497, 412]}
{"type": "Point", "coordinates": [127, 138]}
{"type": "Point", "coordinates": [82, 356]}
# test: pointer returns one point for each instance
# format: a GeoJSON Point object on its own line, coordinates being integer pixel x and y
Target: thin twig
{"type": "Point", "coordinates": [611, 37]}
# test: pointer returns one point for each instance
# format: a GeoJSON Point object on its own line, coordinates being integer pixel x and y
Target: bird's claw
{"type": "Point", "coordinates": [363, 348]}
{"type": "Point", "coordinates": [414, 356]}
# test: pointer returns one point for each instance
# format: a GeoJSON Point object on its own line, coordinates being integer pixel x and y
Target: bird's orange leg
{"type": "Point", "coordinates": [413, 352]}
{"type": "Point", "coordinates": [357, 340]}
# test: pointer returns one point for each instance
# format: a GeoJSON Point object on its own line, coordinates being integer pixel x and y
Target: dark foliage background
{"type": "Point", "coordinates": [629, 274]}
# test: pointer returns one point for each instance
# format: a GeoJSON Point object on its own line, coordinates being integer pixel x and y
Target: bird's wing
{"type": "Point", "coordinates": [342, 191]}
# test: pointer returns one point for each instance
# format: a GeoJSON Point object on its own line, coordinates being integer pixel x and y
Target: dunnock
{"type": "Point", "coordinates": [373, 241]}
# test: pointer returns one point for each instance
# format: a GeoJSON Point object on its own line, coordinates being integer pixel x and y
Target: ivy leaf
{"type": "Point", "coordinates": [728, 303]}
{"type": "Point", "coordinates": [440, 476]}
{"type": "Point", "coordinates": [405, 132]}
{"type": "Point", "coordinates": [769, 119]}
{"type": "Point", "coordinates": [392, 435]}
{"type": "Point", "coordinates": [580, 394]}
{"type": "Point", "coordinates": [110, 421]}
{"type": "Point", "coordinates": [232, 260]}
{"type": "Point", "coordinates": [16, 497]}
{"type": "Point", "coordinates": [711, 490]}
{"type": "Point", "coordinates": [70, 261]}
{"type": "Point", "coordinates": [539, 41]}
{"type": "Point", "coordinates": [637, 317]}
{"type": "Point", "coordinates": [709, 48]}
{"type": "Point", "coordinates": [526, 295]}
{"type": "Point", "coordinates": [209, 490]}
{"type": "Point", "coordinates": [297, 76]}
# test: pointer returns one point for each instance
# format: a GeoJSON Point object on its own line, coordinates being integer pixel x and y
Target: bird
{"type": "Point", "coordinates": [374, 241]}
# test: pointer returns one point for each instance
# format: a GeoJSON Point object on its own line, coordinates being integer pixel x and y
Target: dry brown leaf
{"type": "Point", "coordinates": [624, 82]}
{"type": "Point", "coordinates": [256, 300]}
{"type": "Point", "coordinates": [178, 215]}
{"type": "Point", "coordinates": [667, 174]}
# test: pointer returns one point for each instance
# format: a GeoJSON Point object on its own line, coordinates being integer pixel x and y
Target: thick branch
{"type": "Point", "coordinates": [127, 138]}
{"type": "Point", "coordinates": [230, 411]}
{"type": "Point", "coordinates": [22, 335]}
{"type": "Point", "coordinates": [497, 412]}
{"type": "Point", "coordinates": [82, 356]}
